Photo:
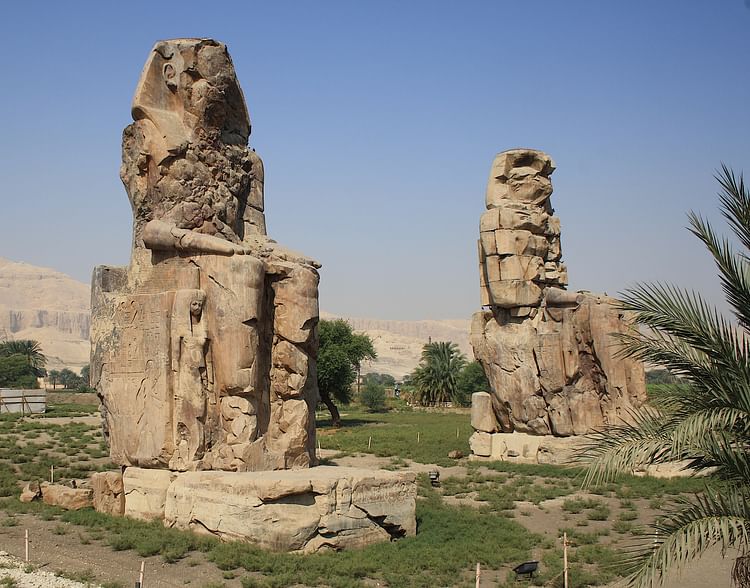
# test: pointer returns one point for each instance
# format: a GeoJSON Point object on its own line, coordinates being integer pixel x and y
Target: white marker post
{"type": "Point", "coordinates": [565, 560]}
{"type": "Point", "coordinates": [417, 436]}
{"type": "Point", "coordinates": [479, 573]}
{"type": "Point", "coordinates": [140, 576]}
{"type": "Point", "coordinates": [52, 474]}
{"type": "Point", "coordinates": [369, 442]}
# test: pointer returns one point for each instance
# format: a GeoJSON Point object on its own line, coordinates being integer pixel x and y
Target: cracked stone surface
{"type": "Point", "coordinates": [204, 347]}
{"type": "Point", "coordinates": [325, 507]}
{"type": "Point", "coordinates": [549, 354]}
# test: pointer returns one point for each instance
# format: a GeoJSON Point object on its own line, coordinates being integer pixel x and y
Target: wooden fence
{"type": "Point", "coordinates": [23, 401]}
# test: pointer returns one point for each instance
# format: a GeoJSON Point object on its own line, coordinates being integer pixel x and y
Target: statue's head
{"type": "Point", "coordinates": [520, 175]}
{"type": "Point", "coordinates": [185, 158]}
{"type": "Point", "coordinates": [187, 308]}
{"type": "Point", "coordinates": [196, 303]}
{"type": "Point", "coordinates": [188, 87]}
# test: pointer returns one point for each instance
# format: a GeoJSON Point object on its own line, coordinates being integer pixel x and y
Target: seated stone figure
{"type": "Point", "coordinates": [203, 348]}
{"type": "Point", "coordinates": [549, 354]}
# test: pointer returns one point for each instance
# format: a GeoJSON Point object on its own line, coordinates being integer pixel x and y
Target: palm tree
{"type": "Point", "coordinates": [30, 349]}
{"type": "Point", "coordinates": [705, 419]}
{"type": "Point", "coordinates": [436, 377]}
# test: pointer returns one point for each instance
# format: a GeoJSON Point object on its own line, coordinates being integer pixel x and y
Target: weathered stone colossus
{"type": "Point", "coordinates": [203, 348]}
{"type": "Point", "coordinates": [549, 354]}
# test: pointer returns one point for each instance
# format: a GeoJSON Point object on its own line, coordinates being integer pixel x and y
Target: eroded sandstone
{"type": "Point", "coordinates": [296, 510]}
{"type": "Point", "coordinates": [549, 354]}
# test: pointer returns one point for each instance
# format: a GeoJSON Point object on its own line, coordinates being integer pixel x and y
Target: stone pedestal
{"type": "Point", "coordinates": [523, 448]}
{"type": "Point", "coordinates": [306, 510]}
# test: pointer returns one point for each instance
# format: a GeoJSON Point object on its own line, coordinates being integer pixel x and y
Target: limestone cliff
{"type": "Point", "coordinates": [47, 306]}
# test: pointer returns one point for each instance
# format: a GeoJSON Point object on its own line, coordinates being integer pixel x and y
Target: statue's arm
{"type": "Point", "coordinates": [161, 235]}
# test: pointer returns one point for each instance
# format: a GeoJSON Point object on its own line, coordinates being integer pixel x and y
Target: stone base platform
{"type": "Point", "coordinates": [305, 510]}
{"type": "Point", "coordinates": [522, 448]}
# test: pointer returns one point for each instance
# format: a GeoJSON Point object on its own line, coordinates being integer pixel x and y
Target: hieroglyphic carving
{"type": "Point", "coordinates": [138, 390]}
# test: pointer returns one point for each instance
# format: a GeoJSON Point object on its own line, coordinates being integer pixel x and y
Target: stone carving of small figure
{"type": "Point", "coordinates": [192, 371]}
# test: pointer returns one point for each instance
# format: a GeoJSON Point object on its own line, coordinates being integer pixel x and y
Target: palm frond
{"type": "Point", "coordinates": [715, 517]}
{"type": "Point", "coordinates": [620, 449]}
{"type": "Point", "coordinates": [733, 269]}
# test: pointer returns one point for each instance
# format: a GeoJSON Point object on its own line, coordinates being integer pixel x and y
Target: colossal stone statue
{"type": "Point", "coordinates": [203, 348]}
{"type": "Point", "coordinates": [549, 354]}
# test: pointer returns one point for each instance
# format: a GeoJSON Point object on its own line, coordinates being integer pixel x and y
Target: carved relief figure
{"type": "Point", "coordinates": [192, 370]}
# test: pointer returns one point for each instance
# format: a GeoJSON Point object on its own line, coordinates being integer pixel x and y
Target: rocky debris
{"type": "Point", "coordinates": [109, 493]}
{"type": "Point", "coordinates": [481, 443]}
{"type": "Point", "coordinates": [203, 349]}
{"type": "Point", "coordinates": [31, 491]}
{"type": "Point", "coordinates": [455, 454]}
{"type": "Point", "coordinates": [549, 354]}
{"type": "Point", "coordinates": [296, 510]}
{"type": "Point", "coordinates": [15, 569]}
{"type": "Point", "coordinates": [67, 497]}
{"type": "Point", "coordinates": [482, 417]}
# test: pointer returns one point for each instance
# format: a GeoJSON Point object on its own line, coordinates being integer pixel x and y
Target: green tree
{"type": "Point", "coordinates": [54, 377]}
{"type": "Point", "coordinates": [86, 375]}
{"type": "Point", "coordinates": [385, 379]}
{"type": "Point", "coordinates": [69, 379]}
{"type": "Point", "coordinates": [340, 354]}
{"type": "Point", "coordinates": [373, 396]}
{"type": "Point", "coordinates": [435, 379]}
{"type": "Point", "coordinates": [16, 372]}
{"type": "Point", "coordinates": [706, 419]}
{"type": "Point", "coordinates": [30, 349]}
{"type": "Point", "coordinates": [471, 379]}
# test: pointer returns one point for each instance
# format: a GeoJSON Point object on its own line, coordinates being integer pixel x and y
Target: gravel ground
{"type": "Point", "coordinates": [13, 568]}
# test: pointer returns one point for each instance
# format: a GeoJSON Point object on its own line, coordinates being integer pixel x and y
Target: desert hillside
{"type": "Point", "coordinates": [53, 308]}
{"type": "Point", "coordinates": [48, 306]}
{"type": "Point", "coordinates": [399, 343]}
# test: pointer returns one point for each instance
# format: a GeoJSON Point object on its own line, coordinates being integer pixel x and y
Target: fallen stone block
{"type": "Point", "coordinates": [109, 493]}
{"type": "Point", "coordinates": [67, 497]}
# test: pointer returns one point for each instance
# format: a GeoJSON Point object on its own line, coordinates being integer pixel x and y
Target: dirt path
{"type": "Point", "coordinates": [72, 549]}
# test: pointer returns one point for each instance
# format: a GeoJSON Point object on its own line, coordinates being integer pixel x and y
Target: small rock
{"type": "Point", "coordinates": [67, 497]}
{"type": "Point", "coordinates": [30, 492]}
{"type": "Point", "coordinates": [455, 454]}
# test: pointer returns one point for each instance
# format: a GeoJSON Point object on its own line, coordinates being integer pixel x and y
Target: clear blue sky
{"type": "Point", "coordinates": [378, 121]}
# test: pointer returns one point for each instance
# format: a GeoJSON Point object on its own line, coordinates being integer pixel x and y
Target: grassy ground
{"type": "Point", "coordinates": [403, 433]}
{"type": "Point", "coordinates": [498, 514]}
